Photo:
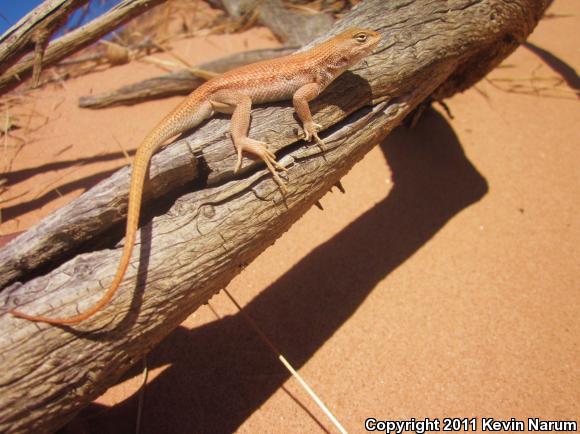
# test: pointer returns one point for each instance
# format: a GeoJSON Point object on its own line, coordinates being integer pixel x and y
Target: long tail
{"type": "Point", "coordinates": [187, 115]}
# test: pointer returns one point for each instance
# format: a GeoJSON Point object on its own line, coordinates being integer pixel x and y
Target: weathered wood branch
{"type": "Point", "coordinates": [289, 27]}
{"type": "Point", "coordinates": [177, 83]}
{"type": "Point", "coordinates": [430, 49]}
{"type": "Point", "coordinates": [76, 40]}
{"type": "Point", "coordinates": [34, 29]}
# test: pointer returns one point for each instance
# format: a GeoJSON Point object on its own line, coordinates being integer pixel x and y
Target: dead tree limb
{"type": "Point", "coordinates": [186, 254]}
{"type": "Point", "coordinates": [76, 40]}
{"type": "Point", "coordinates": [289, 27]}
{"type": "Point", "coordinates": [34, 30]}
{"type": "Point", "coordinates": [177, 83]}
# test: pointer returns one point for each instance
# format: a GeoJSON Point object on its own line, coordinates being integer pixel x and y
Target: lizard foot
{"type": "Point", "coordinates": [259, 149]}
{"type": "Point", "coordinates": [311, 132]}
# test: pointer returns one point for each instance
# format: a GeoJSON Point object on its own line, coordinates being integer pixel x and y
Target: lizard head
{"type": "Point", "coordinates": [358, 43]}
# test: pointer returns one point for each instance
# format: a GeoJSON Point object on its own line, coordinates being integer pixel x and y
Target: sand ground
{"type": "Point", "coordinates": [445, 283]}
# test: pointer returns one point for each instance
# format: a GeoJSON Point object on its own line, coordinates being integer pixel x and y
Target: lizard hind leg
{"type": "Point", "coordinates": [260, 149]}
{"type": "Point", "coordinates": [240, 105]}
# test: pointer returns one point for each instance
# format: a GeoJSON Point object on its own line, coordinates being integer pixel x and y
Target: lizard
{"type": "Point", "coordinates": [299, 77]}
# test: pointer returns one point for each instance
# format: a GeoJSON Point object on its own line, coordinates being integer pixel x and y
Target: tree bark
{"type": "Point", "coordinates": [75, 40]}
{"type": "Point", "coordinates": [191, 250]}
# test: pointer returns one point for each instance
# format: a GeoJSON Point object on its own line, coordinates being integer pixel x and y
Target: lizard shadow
{"type": "Point", "coordinates": [215, 376]}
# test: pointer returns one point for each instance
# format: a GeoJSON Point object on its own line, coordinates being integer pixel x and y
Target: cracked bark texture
{"type": "Point", "coordinates": [219, 222]}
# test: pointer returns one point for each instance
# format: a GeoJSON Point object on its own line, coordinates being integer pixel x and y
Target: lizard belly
{"type": "Point", "coordinates": [281, 89]}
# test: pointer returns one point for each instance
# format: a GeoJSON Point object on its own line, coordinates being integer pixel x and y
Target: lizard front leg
{"type": "Point", "coordinates": [240, 105]}
{"type": "Point", "coordinates": [300, 99]}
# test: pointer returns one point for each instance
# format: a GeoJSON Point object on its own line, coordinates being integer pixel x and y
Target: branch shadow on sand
{"type": "Point", "coordinates": [17, 176]}
{"type": "Point", "coordinates": [558, 65]}
{"type": "Point", "coordinates": [218, 374]}
{"type": "Point", "coordinates": [84, 183]}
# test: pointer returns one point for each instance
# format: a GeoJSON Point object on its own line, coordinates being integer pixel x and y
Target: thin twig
{"type": "Point", "coordinates": [287, 365]}
{"type": "Point", "coordinates": [141, 401]}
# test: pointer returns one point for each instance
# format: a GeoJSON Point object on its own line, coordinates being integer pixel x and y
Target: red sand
{"type": "Point", "coordinates": [445, 283]}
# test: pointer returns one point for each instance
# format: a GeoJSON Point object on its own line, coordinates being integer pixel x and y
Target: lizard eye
{"type": "Point", "coordinates": [361, 37]}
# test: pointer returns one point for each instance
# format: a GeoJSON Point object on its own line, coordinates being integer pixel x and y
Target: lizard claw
{"type": "Point", "coordinates": [272, 159]}
{"type": "Point", "coordinates": [259, 149]}
{"type": "Point", "coordinates": [311, 132]}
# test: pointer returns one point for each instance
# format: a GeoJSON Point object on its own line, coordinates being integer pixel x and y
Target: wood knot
{"type": "Point", "coordinates": [208, 211]}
